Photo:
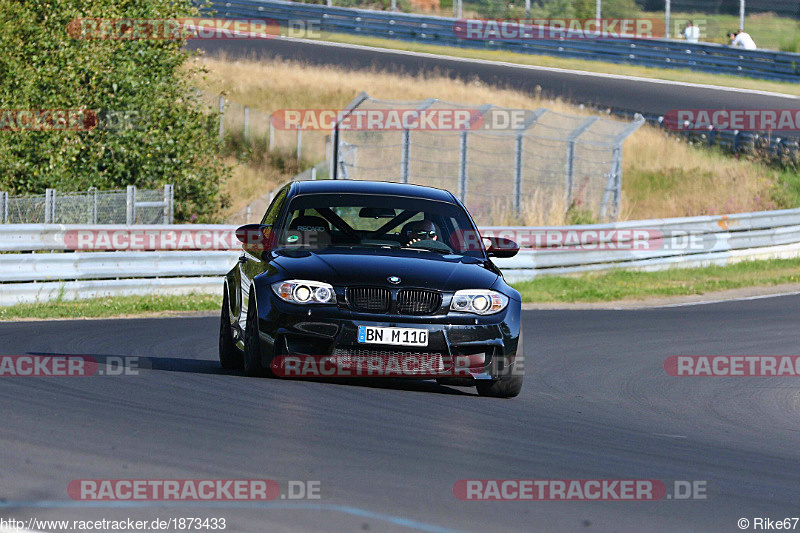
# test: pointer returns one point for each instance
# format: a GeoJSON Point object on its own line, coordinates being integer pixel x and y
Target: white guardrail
{"type": "Point", "coordinates": [29, 274]}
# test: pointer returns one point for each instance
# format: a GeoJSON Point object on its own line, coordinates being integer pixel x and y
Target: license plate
{"type": "Point", "coordinates": [394, 336]}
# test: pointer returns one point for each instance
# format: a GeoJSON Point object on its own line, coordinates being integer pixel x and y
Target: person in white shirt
{"type": "Point", "coordinates": [691, 33]}
{"type": "Point", "coordinates": [742, 39]}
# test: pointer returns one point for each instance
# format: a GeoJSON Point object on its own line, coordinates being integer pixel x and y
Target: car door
{"type": "Point", "coordinates": [251, 263]}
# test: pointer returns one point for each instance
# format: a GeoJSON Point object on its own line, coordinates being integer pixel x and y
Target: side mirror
{"type": "Point", "coordinates": [255, 238]}
{"type": "Point", "coordinates": [500, 247]}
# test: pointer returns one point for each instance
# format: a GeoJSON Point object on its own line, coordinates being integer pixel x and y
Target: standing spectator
{"type": "Point", "coordinates": [691, 32]}
{"type": "Point", "coordinates": [742, 39]}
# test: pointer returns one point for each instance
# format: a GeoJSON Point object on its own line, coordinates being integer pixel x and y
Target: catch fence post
{"type": "Point", "coordinates": [130, 205]}
{"type": "Point", "coordinates": [49, 206]}
{"type": "Point", "coordinates": [93, 190]}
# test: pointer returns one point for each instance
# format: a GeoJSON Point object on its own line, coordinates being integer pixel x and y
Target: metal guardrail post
{"type": "Point", "coordinates": [246, 123]}
{"type": "Point", "coordinates": [336, 147]}
{"type": "Point", "coordinates": [613, 182]}
{"type": "Point", "coordinates": [462, 165]}
{"type": "Point", "coordinates": [93, 190]}
{"type": "Point", "coordinates": [221, 116]}
{"type": "Point", "coordinates": [638, 121]}
{"type": "Point", "coordinates": [404, 155]}
{"type": "Point", "coordinates": [49, 205]}
{"type": "Point", "coordinates": [741, 15]}
{"type": "Point", "coordinates": [617, 184]}
{"type": "Point", "coordinates": [463, 154]}
{"type": "Point", "coordinates": [405, 149]}
{"type": "Point", "coordinates": [4, 207]}
{"type": "Point", "coordinates": [518, 174]}
{"type": "Point", "coordinates": [130, 205]}
{"type": "Point", "coordinates": [570, 170]}
{"type": "Point", "coordinates": [529, 121]}
{"type": "Point", "coordinates": [667, 13]}
{"type": "Point", "coordinates": [167, 211]}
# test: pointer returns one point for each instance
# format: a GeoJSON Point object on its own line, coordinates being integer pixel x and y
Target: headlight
{"type": "Point", "coordinates": [479, 301]}
{"type": "Point", "coordinates": [298, 291]}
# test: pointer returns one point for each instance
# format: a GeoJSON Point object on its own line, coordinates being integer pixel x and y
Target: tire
{"type": "Point", "coordinates": [252, 345]}
{"type": "Point", "coordinates": [229, 355]}
{"type": "Point", "coordinates": [507, 386]}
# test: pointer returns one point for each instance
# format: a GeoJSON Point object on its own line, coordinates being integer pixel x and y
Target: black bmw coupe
{"type": "Point", "coordinates": [345, 273]}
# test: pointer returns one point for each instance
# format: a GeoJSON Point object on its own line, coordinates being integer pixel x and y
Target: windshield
{"type": "Point", "coordinates": [382, 221]}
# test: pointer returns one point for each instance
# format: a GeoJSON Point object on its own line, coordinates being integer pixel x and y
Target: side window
{"type": "Point", "coordinates": [274, 209]}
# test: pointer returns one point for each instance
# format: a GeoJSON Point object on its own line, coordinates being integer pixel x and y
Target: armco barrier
{"type": "Point", "coordinates": [14, 293]}
{"type": "Point", "coordinates": [38, 237]}
{"type": "Point", "coordinates": [720, 240]}
{"type": "Point", "coordinates": [659, 53]}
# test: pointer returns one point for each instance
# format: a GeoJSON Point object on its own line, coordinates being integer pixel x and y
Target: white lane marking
{"type": "Point", "coordinates": [5, 530]}
{"type": "Point", "coordinates": [743, 298]}
{"type": "Point", "coordinates": [538, 67]}
{"type": "Point", "coordinates": [669, 435]}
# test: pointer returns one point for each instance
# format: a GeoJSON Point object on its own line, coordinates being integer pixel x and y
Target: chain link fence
{"type": "Point", "coordinates": [130, 206]}
{"type": "Point", "coordinates": [548, 168]}
{"type": "Point", "coordinates": [245, 126]}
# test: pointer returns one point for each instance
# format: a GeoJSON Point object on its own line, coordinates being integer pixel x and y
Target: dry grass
{"type": "Point", "coordinates": [250, 184]}
{"type": "Point", "coordinates": [663, 176]}
{"type": "Point", "coordinates": [270, 85]}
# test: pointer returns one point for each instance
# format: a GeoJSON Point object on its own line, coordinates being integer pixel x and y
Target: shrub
{"type": "Point", "coordinates": [42, 67]}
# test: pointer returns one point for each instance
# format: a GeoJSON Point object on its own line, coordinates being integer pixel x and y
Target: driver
{"type": "Point", "coordinates": [419, 230]}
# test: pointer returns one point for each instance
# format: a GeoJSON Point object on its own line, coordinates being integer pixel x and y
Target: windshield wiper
{"type": "Point", "coordinates": [437, 250]}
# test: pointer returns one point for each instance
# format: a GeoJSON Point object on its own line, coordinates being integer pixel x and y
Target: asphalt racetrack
{"type": "Point", "coordinates": [619, 92]}
{"type": "Point", "coordinates": [597, 404]}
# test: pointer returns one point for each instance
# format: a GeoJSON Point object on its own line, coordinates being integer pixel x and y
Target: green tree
{"type": "Point", "coordinates": [43, 67]}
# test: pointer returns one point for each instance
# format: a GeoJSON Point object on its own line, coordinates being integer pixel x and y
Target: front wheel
{"type": "Point", "coordinates": [229, 355]}
{"type": "Point", "coordinates": [252, 344]}
{"type": "Point", "coordinates": [509, 384]}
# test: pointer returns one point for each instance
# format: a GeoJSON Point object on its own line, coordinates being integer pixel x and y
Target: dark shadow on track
{"type": "Point", "coordinates": [200, 366]}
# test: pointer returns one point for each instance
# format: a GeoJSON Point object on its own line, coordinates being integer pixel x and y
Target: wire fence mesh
{"type": "Point", "coordinates": [130, 206]}
{"type": "Point", "coordinates": [508, 166]}
{"type": "Point", "coordinates": [245, 126]}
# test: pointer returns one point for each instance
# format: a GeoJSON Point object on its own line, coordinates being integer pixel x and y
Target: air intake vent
{"type": "Point", "coordinates": [418, 302]}
{"type": "Point", "coordinates": [369, 299]}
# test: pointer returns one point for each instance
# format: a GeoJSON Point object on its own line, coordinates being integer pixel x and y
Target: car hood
{"type": "Point", "coordinates": [374, 267]}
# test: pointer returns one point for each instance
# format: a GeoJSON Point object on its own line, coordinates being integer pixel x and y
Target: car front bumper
{"type": "Point", "coordinates": [471, 346]}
